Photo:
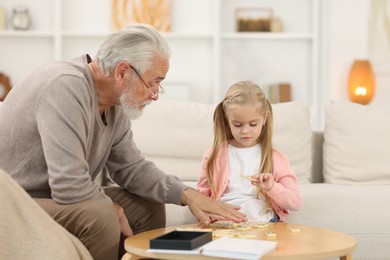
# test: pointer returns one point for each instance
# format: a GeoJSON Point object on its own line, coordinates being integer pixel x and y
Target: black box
{"type": "Point", "coordinates": [181, 240]}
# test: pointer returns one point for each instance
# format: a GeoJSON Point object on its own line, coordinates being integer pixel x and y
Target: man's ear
{"type": "Point", "coordinates": [120, 70]}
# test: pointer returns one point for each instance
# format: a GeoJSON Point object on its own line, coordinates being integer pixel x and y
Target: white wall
{"type": "Point", "coordinates": [345, 38]}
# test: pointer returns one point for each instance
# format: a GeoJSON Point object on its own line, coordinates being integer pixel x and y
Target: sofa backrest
{"type": "Point", "coordinates": [356, 144]}
{"type": "Point", "coordinates": [317, 161]}
{"type": "Point", "coordinates": [176, 134]}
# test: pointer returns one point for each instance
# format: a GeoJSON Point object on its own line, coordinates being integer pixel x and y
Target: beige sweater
{"type": "Point", "coordinates": [53, 141]}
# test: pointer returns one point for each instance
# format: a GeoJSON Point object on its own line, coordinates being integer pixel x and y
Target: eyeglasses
{"type": "Point", "coordinates": [154, 94]}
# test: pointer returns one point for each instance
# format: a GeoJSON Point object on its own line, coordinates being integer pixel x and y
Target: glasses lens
{"type": "Point", "coordinates": [160, 89]}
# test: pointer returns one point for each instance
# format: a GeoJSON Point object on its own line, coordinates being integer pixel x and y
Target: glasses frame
{"type": "Point", "coordinates": [154, 94]}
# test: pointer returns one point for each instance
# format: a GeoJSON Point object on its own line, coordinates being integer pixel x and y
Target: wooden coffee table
{"type": "Point", "coordinates": [310, 243]}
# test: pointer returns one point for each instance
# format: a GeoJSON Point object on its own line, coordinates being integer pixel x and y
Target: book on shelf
{"type": "Point", "coordinates": [280, 92]}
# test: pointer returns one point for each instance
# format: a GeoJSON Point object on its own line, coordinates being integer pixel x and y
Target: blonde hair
{"type": "Point", "coordinates": [241, 93]}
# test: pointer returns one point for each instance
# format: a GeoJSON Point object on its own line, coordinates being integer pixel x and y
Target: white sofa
{"type": "Point", "coordinates": [343, 172]}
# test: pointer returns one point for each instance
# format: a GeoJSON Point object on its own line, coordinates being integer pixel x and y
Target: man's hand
{"type": "Point", "coordinates": [207, 210]}
{"type": "Point", "coordinates": [123, 222]}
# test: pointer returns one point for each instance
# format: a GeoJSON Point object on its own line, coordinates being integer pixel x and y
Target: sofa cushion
{"type": "Point", "coordinates": [357, 144]}
{"type": "Point", "coordinates": [175, 135]}
{"type": "Point", "coordinates": [293, 137]}
{"type": "Point", "coordinates": [354, 210]}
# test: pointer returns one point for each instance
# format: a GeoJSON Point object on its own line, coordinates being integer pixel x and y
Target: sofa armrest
{"type": "Point", "coordinates": [316, 169]}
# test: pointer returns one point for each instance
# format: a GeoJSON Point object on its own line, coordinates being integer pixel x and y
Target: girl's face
{"type": "Point", "coordinates": [246, 122]}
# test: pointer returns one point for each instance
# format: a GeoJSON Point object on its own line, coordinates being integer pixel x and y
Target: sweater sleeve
{"type": "Point", "coordinates": [285, 193]}
{"type": "Point", "coordinates": [203, 185]}
{"type": "Point", "coordinates": [130, 170]}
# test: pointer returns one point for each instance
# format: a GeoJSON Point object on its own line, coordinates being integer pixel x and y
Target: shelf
{"type": "Point", "coordinates": [172, 36]}
{"type": "Point", "coordinates": [84, 34]}
{"type": "Point", "coordinates": [187, 36]}
{"type": "Point", "coordinates": [208, 54]}
{"type": "Point", "coordinates": [267, 36]}
{"type": "Point", "coordinates": [26, 34]}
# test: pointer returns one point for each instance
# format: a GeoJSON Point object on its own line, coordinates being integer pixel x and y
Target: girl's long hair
{"type": "Point", "coordinates": [241, 93]}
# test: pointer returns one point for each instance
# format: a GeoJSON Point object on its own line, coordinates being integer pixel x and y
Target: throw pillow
{"type": "Point", "coordinates": [293, 137]}
{"type": "Point", "coordinates": [357, 144]}
{"type": "Point", "coordinates": [175, 135]}
{"type": "Point", "coordinates": [175, 129]}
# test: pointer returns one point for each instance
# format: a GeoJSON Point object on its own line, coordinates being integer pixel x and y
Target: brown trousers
{"type": "Point", "coordinates": [95, 222]}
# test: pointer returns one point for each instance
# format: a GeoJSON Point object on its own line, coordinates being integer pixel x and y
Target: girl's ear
{"type": "Point", "coordinates": [265, 118]}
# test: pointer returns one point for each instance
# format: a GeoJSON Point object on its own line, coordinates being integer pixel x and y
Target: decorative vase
{"type": "Point", "coordinates": [21, 19]}
{"type": "Point", "coordinates": [361, 82]}
{"type": "Point", "coordinates": [276, 25]}
{"type": "Point", "coordinates": [2, 18]}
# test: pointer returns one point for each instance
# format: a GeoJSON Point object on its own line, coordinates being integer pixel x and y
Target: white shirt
{"type": "Point", "coordinates": [240, 191]}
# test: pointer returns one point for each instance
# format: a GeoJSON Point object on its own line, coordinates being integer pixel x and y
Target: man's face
{"type": "Point", "coordinates": [143, 88]}
{"type": "Point", "coordinates": [133, 112]}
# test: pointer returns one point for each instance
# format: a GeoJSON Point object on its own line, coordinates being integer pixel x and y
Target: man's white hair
{"type": "Point", "coordinates": [137, 44]}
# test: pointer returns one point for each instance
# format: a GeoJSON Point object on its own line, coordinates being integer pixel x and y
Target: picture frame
{"type": "Point", "coordinates": [254, 19]}
{"type": "Point", "coordinates": [154, 12]}
{"type": "Point", "coordinates": [5, 86]}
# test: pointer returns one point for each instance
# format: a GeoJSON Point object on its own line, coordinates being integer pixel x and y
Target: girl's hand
{"type": "Point", "coordinates": [264, 181]}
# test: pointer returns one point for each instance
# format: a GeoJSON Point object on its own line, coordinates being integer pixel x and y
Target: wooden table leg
{"type": "Point", "coordinates": [126, 256]}
{"type": "Point", "coordinates": [129, 256]}
{"type": "Point", "coordinates": [346, 257]}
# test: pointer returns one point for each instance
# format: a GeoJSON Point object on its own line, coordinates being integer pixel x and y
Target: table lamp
{"type": "Point", "coordinates": [361, 83]}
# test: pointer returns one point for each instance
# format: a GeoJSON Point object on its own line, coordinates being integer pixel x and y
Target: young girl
{"type": "Point", "coordinates": [242, 168]}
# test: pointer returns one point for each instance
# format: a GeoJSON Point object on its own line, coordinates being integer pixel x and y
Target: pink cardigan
{"type": "Point", "coordinates": [284, 196]}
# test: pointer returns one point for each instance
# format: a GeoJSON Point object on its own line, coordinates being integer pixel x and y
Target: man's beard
{"type": "Point", "coordinates": [132, 111]}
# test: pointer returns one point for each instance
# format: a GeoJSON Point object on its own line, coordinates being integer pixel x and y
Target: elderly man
{"type": "Point", "coordinates": [68, 120]}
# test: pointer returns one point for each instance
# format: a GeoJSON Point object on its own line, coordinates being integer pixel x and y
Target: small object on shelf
{"type": "Point", "coordinates": [280, 92]}
{"type": "Point", "coordinates": [2, 18]}
{"type": "Point", "coordinates": [5, 86]}
{"type": "Point", "coordinates": [20, 18]}
{"type": "Point", "coordinates": [276, 25]}
{"type": "Point", "coordinates": [154, 12]}
{"type": "Point", "coordinates": [254, 19]}
{"type": "Point", "coordinates": [361, 82]}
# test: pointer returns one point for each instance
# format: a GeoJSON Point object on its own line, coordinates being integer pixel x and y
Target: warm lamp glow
{"type": "Point", "coordinates": [360, 91]}
{"type": "Point", "coordinates": [361, 84]}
